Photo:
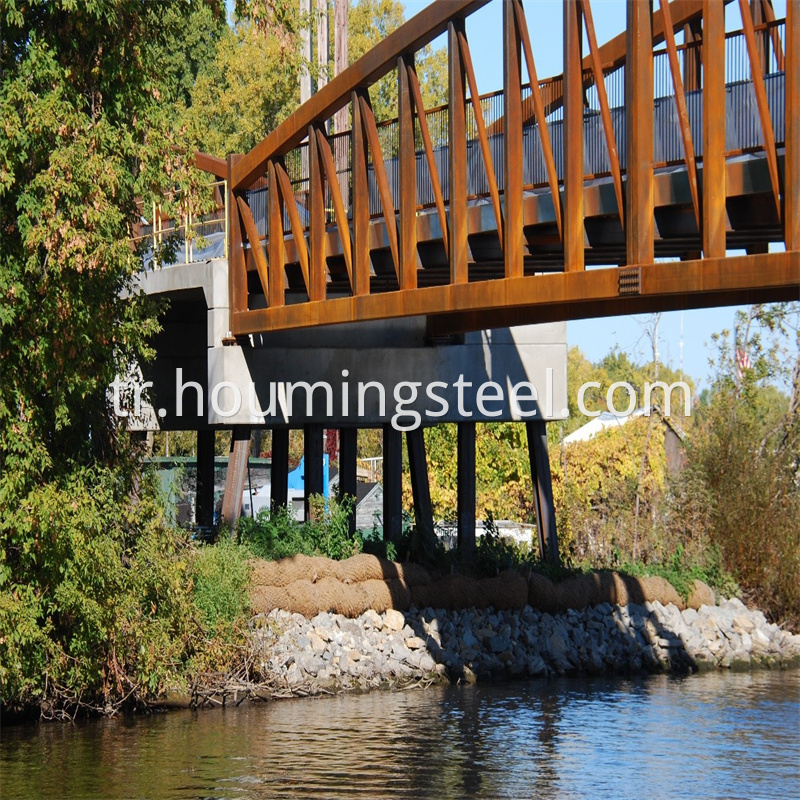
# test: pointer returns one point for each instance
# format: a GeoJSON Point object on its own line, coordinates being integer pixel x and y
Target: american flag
{"type": "Point", "coordinates": [742, 362]}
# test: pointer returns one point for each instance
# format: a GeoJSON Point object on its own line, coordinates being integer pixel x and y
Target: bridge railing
{"type": "Point", "coordinates": [744, 136]}
{"type": "Point", "coordinates": [174, 231]}
{"type": "Point", "coordinates": [303, 201]}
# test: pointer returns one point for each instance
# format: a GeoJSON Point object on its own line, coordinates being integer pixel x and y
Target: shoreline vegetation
{"type": "Point", "coordinates": [311, 625]}
{"type": "Point", "coordinates": [105, 604]}
{"type": "Point", "coordinates": [398, 627]}
{"type": "Point", "coordinates": [289, 655]}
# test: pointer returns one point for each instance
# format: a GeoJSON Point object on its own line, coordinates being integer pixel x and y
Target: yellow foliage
{"type": "Point", "coordinates": [595, 484]}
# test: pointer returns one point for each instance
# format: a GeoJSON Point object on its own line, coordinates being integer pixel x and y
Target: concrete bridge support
{"type": "Point", "coordinates": [466, 490]}
{"type": "Point", "coordinates": [420, 484]}
{"type": "Point", "coordinates": [542, 491]}
{"type": "Point", "coordinates": [348, 475]}
{"type": "Point", "coordinates": [236, 473]}
{"type": "Point", "coordinates": [313, 452]}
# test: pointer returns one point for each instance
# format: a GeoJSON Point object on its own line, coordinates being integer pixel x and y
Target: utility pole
{"type": "Point", "coordinates": [322, 43]}
{"type": "Point", "coordinates": [340, 27]}
{"type": "Point", "coordinates": [305, 48]}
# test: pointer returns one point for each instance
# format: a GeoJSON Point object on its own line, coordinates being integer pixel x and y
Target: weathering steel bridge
{"type": "Point", "coordinates": [660, 171]}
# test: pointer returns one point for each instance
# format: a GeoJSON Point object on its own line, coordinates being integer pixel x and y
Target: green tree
{"type": "Point", "coordinates": [581, 371]}
{"type": "Point", "coordinates": [86, 606]}
{"type": "Point", "coordinates": [370, 22]}
{"type": "Point", "coordinates": [619, 367]}
{"type": "Point", "coordinates": [187, 47]}
{"type": "Point", "coordinates": [250, 86]}
{"type": "Point", "coordinates": [85, 134]}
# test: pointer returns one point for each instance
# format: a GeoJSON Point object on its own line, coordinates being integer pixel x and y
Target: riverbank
{"type": "Point", "coordinates": [329, 653]}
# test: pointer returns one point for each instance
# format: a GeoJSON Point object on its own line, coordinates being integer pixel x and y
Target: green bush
{"type": "Point", "coordinates": [495, 553]}
{"type": "Point", "coordinates": [220, 579]}
{"type": "Point", "coordinates": [329, 527]}
{"type": "Point", "coordinates": [273, 535]}
{"type": "Point", "coordinates": [681, 570]}
{"type": "Point", "coordinates": [745, 471]}
{"type": "Point", "coordinates": [94, 598]}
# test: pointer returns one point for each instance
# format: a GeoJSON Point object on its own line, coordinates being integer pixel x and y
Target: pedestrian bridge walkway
{"type": "Point", "coordinates": [660, 171]}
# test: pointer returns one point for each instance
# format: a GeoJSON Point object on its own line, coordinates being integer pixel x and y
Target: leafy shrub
{"type": "Point", "coordinates": [595, 486]}
{"type": "Point", "coordinates": [220, 578]}
{"type": "Point", "coordinates": [745, 471]}
{"type": "Point", "coordinates": [681, 571]}
{"type": "Point", "coordinates": [273, 535]}
{"type": "Point", "coordinates": [330, 527]}
{"type": "Point", "coordinates": [382, 548]}
{"type": "Point", "coordinates": [495, 553]}
{"type": "Point", "coordinates": [94, 598]}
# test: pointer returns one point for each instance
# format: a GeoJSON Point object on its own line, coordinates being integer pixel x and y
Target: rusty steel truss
{"type": "Point", "coordinates": [546, 201]}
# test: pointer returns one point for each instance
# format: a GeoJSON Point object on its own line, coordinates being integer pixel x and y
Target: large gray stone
{"type": "Point", "coordinates": [394, 620]}
{"type": "Point", "coordinates": [499, 643]}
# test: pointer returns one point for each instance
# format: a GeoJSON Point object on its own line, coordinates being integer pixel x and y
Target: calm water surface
{"type": "Point", "coordinates": [709, 736]}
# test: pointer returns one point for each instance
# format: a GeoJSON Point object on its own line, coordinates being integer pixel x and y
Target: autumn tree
{"type": "Point", "coordinates": [741, 489]}
{"type": "Point", "coordinates": [502, 471]}
{"type": "Point", "coordinates": [595, 485]}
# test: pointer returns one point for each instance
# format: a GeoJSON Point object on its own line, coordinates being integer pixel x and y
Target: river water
{"type": "Point", "coordinates": [717, 735]}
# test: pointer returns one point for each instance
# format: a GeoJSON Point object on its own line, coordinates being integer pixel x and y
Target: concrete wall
{"type": "Point", "coordinates": [389, 353]}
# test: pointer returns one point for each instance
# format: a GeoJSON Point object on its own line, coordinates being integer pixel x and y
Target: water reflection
{"type": "Point", "coordinates": [717, 735]}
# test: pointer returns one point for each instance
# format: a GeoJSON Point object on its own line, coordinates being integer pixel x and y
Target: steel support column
{"type": "Point", "coordinates": [279, 469]}
{"type": "Point", "coordinates": [204, 504]}
{"type": "Point", "coordinates": [466, 490]}
{"type": "Point", "coordinates": [313, 453]}
{"type": "Point", "coordinates": [348, 474]}
{"type": "Point", "coordinates": [420, 486]}
{"type": "Point", "coordinates": [235, 475]}
{"type": "Point", "coordinates": [392, 484]}
{"type": "Point", "coordinates": [542, 490]}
